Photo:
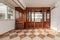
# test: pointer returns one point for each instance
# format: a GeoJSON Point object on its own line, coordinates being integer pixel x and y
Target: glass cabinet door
{"type": "Point", "coordinates": [34, 16]}
{"type": "Point", "coordinates": [47, 19]}
{"type": "Point", "coordinates": [44, 16]}
{"type": "Point", "coordinates": [48, 16]}
{"type": "Point", "coordinates": [38, 16]}
{"type": "Point", "coordinates": [29, 15]}
{"type": "Point", "coordinates": [17, 15]}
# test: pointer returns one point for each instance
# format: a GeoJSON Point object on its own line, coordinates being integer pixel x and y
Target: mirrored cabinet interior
{"type": "Point", "coordinates": [19, 23]}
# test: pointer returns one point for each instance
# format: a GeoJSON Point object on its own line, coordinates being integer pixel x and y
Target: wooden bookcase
{"type": "Point", "coordinates": [23, 23]}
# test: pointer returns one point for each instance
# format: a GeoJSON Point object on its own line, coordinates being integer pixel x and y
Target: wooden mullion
{"type": "Point", "coordinates": [34, 19]}
{"type": "Point", "coordinates": [42, 18]}
{"type": "Point", "coordinates": [49, 18]}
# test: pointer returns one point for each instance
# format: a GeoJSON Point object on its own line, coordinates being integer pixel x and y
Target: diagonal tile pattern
{"type": "Point", "coordinates": [34, 34]}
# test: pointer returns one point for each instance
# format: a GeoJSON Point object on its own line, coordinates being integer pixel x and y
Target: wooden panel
{"type": "Point", "coordinates": [19, 26]}
{"type": "Point", "coordinates": [38, 24]}
{"type": "Point", "coordinates": [29, 25]}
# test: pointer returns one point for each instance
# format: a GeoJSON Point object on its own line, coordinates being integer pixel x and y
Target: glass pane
{"type": "Point", "coordinates": [38, 17]}
{"type": "Point", "coordinates": [21, 16]}
{"type": "Point", "coordinates": [32, 16]}
{"type": "Point", "coordinates": [17, 14]}
{"type": "Point", "coordinates": [45, 16]}
{"type": "Point", "coordinates": [29, 16]}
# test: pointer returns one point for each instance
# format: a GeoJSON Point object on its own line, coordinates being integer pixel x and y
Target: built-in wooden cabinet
{"type": "Point", "coordinates": [19, 22]}
{"type": "Point", "coordinates": [34, 17]}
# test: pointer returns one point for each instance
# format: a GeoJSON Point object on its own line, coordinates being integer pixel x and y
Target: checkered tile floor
{"type": "Point", "coordinates": [34, 34]}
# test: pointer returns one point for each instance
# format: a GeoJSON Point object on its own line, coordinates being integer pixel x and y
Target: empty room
{"type": "Point", "coordinates": [29, 19]}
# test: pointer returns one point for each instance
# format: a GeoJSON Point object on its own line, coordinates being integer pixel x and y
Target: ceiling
{"type": "Point", "coordinates": [34, 3]}
{"type": "Point", "coordinates": [12, 3]}
{"type": "Point", "coordinates": [40, 3]}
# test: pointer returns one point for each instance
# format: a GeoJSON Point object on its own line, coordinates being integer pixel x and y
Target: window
{"type": "Point", "coordinates": [6, 12]}
{"type": "Point", "coordinates": [11, 13]}
{"type": "Point", "coordinates": [3, 11]}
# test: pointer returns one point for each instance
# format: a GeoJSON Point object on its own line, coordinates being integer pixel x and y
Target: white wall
{"type": "Point", "coordinates": [6, 25]}
{"type": "Point", "coordinates": [23, 3]}
{"type": "Point", "coordinates": [55, 17]}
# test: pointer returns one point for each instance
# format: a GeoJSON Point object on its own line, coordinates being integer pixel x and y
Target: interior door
{"type": "Point", "coordinates": [47, 19]}
{"type": "Point", "coordinates": [38, 19]}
